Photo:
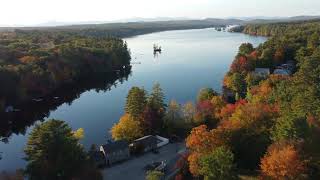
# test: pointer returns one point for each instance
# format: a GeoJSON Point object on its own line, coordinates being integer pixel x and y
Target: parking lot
{"type": "Point", "coordinates": [133, 169]}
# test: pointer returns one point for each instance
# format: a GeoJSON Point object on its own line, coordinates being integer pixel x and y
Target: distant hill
{"type": "Point", "coordinates": [132, 28]}
{"type": "Point", "coordinates": [288, 19]}
{"type": "Point", "coordinates": [137, 26]}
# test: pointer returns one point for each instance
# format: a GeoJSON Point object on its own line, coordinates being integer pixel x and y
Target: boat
{"type": "Point", "coordinates": [156, 48]}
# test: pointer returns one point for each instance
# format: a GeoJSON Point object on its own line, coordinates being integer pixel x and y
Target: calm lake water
{"type": "Point", "coordinates": [190, 60]}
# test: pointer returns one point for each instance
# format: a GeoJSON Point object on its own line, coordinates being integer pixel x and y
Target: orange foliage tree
{"type": "Point", "coordinates": [229, 109]}
{"type": "Point", "coordinates": [283, 161]}
{"type": "Point", "coordinates": [201, 142]}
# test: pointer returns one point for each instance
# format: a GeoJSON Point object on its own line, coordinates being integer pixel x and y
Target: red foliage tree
{"type": "Point", "coordinates": [229, 109]}
{"type": "Point", "coordinates": [241, 64]}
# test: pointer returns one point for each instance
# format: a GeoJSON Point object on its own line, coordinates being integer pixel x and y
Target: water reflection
{"type": "Point", "coordinates": [32, 111]}
{"type": "Point", "coordinates": [156, 54]}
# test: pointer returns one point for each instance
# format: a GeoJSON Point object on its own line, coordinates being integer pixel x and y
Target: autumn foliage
{"type": "Point", "coordinates": [200, 142]}
{"type": "Point", "coordinates": [241, 64]}
{"type": "Point", "coordinates": [128, 129]}
{"type": "Point", "coordinates": [283, 161]}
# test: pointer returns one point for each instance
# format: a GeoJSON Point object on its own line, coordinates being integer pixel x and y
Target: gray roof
{"type": "Point", "coordinates": [147, 140]}
{"type": "Point", "coordinates": [282, 72]}
{"type": "Point", "coordinates": [115, 146]}
{"type": "Point", "coordinates": [262, 70]}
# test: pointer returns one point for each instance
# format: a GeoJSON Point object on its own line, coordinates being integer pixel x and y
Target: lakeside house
{"type": "Point", "coordinates": [262, 72]}
{"type": "Point", "coordinates": [115, 151]}
{"type": "Point", "coordinates": [145, 144]}
{"type": "Point", "coordinates": [98, 157]}
{"type": "Point", "coordinates": [282, 72]}
{"type": "Point", "coordinates": [285, 69]}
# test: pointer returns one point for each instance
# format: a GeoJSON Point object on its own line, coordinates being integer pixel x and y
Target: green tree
{"type": "Point", "coordinates": [174, 111]}
{"type": "Point", "coordinates": [136, 102]}
{"type": "Point", "coordinates": [253, 80]}
{"type": "Point", "coordinates": [156, 98]}
{"type": "Point", "coordinates": [173, 117]}
{"type": "Point", "coordinates": [206, 94]}
{"type": "Point", "coordinates": [53, 152]}
{"type": "Point", "coordinates": [238, 84]}
{"type": "Point", "coordinates": [288, 127]}
{"type": "Point", "coordinates": [314, 40]}
{"type": "Point", "coordinates": [246, 48]}
{"type": "Point", "coordinates": [218, 165]}
{"type": "Point", "coordinates": [266, 59]}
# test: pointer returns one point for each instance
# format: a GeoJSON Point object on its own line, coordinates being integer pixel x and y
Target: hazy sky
{"type": "Point", "coordinates": [27, 12]}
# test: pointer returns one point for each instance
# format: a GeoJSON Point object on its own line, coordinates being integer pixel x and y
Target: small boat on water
{"type": "Point", "coordinates": [156, 48]}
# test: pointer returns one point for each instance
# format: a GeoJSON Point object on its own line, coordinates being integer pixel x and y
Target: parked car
{"type": "Point", "coordinates": [158, 166]}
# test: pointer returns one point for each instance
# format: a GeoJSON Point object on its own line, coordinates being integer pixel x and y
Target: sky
{"type": "Point", "coordinates": [32, 12]}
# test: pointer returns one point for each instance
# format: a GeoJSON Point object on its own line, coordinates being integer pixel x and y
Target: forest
{"type": "Point", "coordinates": [33, 64]}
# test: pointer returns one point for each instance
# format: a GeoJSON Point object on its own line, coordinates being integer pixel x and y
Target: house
{"type": "Point", "coordinates": [115, 151]}
{"type": "Point", "coordinates": [161, 141]}
{"type": "Point", "coordinates": [282, 72]}
{"type": "Point", "coordinates": [145, 144]}
{"type": "Point", "coordinates": [98, 158]}
{"type": "Point", "coordinates": [263, 72]}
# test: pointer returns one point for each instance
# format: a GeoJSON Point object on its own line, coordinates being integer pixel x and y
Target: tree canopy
{"type": "Point", "coordinates": [54, 152]}
{"type": "Point", "coordinates": [128, 129]}
{"type": "Point", "coordinates": [136, 102]}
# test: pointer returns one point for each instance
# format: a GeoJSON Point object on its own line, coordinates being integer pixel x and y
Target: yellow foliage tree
{"type": "Point", "coordinates": [217, 104]}
{"type": "Point", "coordinates": [127, 129]}
{"type": "Point", "coordinates": [79, 133]}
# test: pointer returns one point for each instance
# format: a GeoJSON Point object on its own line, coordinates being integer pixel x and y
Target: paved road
{"type": "Point", "coordinates": [133, 169]}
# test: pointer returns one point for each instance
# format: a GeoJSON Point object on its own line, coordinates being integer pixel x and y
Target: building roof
{"type": "Point", "coordinates": [262, 70]}
{"type": "Point", "coordinates": [115, 146]}
{"type": "Point", "coordinates": [147, 140]}
{"type": "Point", "coordinates": [282, 72]}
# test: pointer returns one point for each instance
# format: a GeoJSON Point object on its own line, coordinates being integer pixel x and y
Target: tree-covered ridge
{"type": "Point", "coordinates": [288, 43]}
{"type": "Point", "coordinates": [33, 64]}
{"type": "Point", "coordinates": [130, 28]}
{"type": "Point", "coordinates": [273, 127]}
{"type": "Point", "coordinates": [278, 28]}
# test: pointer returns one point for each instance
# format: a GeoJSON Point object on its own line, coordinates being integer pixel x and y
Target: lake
{"type": "Point", "coordinates": [190, 60]}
